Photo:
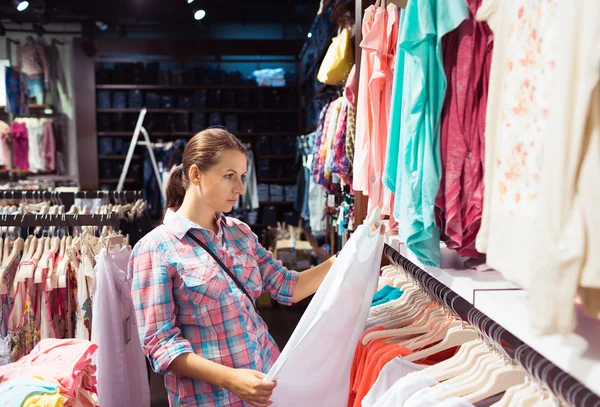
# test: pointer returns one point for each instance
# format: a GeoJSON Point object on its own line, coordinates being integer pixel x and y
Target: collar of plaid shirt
{"type": "Point", "coordinates": [179, 225]}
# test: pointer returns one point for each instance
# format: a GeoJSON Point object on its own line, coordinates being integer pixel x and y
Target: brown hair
{"type": "Point", "coordinates": [203, 150]}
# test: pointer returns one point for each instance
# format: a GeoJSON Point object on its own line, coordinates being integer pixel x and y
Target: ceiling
{"type": "Point", "coordinates": [166, 14]}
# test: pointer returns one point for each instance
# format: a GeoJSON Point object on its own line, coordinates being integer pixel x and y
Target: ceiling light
{"type": "Point", "coordinates": [21, 5]}
{"type": "Point", "coordinates": [309, 35]}
{"type": "Point", "coordinates": [102, 26]}
{"type": "Point", "coordinates": [190, 1]}
{"type": "Point", "coordinates": [199, 14]}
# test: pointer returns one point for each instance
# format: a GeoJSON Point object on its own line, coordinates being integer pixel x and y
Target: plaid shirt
{"type": "Point", "coordinates": [186, 303]}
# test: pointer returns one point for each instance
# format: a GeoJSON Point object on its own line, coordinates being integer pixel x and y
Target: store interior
{"type": "Point", "coordinates": [467, 130]}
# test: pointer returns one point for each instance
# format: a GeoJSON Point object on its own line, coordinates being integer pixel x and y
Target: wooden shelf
{"type": "Point", "coordinates": [118, 157]}
{"type": "Point", "coordinates": [276, 203]}
{"type": "Point", "coordinates": [168, 134]}
{"type": "Point", "coordinates": [35, 107]}
{"type": "Point", "coordinates": [116, 180]}
{"type": "Point", "coordinates": [276, 180]}
{"type": "Point", "coordinates": [187, 87]}
{"type": "Point", "coordinates": [200, 110]}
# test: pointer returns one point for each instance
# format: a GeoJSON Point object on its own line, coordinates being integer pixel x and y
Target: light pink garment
{"type": "Point", "coordinates": [364, 121]}
{"type": "Point", "coordinates": [33, 61]}
{"type": "Point", "coordinates": [49, 147]}
{"type": "Point", "coordinates": [5, 156]}
{"type": "Point", "coordinates": [65, 362]}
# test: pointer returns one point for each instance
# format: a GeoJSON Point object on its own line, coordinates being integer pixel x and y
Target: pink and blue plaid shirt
{"type": "Point", "coordinates": [186, 303]}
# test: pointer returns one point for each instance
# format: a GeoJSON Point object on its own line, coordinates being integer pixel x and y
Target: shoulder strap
{"type": "Point", "coordinates": [225, 268]}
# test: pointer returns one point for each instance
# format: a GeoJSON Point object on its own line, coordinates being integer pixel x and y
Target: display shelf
{"type": "Point", "coordinates": [187, 87]}
{"type": "Point", "coordinates": [116, 180]}
{"type": "Point", "coordinates": [200, 110]}
{"type": "Point", "coordinates": [578, 353]}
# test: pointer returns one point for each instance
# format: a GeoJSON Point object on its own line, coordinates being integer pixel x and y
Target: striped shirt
{"type": "Point", "coordinates": [186, 303]}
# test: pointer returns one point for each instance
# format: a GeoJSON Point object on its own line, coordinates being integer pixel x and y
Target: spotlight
{"type": "Point", "coordinates": [21, 5]}
{"type": "Point", "coordinates": [309, 35]}
{"type": "Point", "coordinates": [199, 14]}
{"type": "Point", "coordinates": [102, 26]}
{"type": "Point", "coordinates": [190, 1]}
{"type": "Point", "coordinates": [39, 29]}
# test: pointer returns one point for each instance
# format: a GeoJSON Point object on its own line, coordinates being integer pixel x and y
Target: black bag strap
{"type": "Point", "coordinates": [225, 268]}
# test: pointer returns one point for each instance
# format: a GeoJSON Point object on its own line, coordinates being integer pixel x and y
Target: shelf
{"type": "Point", "coordinates": [19, 171]}
{"type": "Point", "coordinates": [261, 226]}
{"type": "Point", "coordinates": [200, 110]}
{"type": "Point", "coordinates": [276, 203]}
{"type": "Point", "coordinates": [187, 87]}
{"type": "Point", "coordinates": [276, 180]}
{"type": "Point", "coordinates": [116, 180]}
{"type": "Point", "coordinates": [189, 134]}
{"type": "Point", "coordinates": [578, 353]}
{"type": "Point", "coordinates": [118, 157]}
{"type": "Point", "coordinates": [35, 107]}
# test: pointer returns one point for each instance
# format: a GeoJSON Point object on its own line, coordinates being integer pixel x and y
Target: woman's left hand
{"type": "Point", "coordinates": [379, 225]}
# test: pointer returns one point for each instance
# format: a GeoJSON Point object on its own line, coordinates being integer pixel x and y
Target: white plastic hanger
{"type": "Point", "coordinates": [8, 261]}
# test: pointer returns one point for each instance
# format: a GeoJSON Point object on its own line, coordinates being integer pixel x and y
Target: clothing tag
{"type": "Point", "coordinates": [331, 201]}
{"type": "Point", "coordinates": [127, 329]}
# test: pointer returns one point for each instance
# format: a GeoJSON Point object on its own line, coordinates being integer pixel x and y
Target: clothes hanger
{"type": "Point", "coordinates": [43, 260]}
{"type": "Point", "coordinates": [8, 261]}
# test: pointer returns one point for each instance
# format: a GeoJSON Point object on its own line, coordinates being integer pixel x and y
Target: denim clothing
{"type": "Point", "coordinates": [199, 99]}
{"type": "Point", "coordinates": [167, 102]}
{"type": "Point", "coordinates": [277, 146]}
{"type": "Point", "coordinates": [152, 100]}
{"type": "Point", "coordinates": [215, 120]}
{"type": "Point", "coordinates": [152, 193]}
{"type": "Point", "coordinates": [119, 100]}
{"type": "Point", "coordinates": [247, 126]}
{"type": "Point", "coordinates": [198, 122]}
{"type": "Point", "coordinates": [136, 99]}
{"type": "Point", "coordinates": [263, 145]}
{"type": "Point", "coordinates": [277, 193]}
{"type": "Point", "coordinates": [228, 99]}
{"type": "Point", "coordinates": [269, 215]}
{"type": "Point", "coordinates": [243, 99]}
{"type": "Point", "coordinates": [231, 123]}
{"type": "Point", "coordinates": [181, 122]}
{"type": "Point", "coordinates": [290, 193]}
{"type": "Point", "coordinates": [104, 99]}
{"type": "Point", "coordinates": [263, 192]}
{"type": "Point", "coordinates": [289, 145]}
{"type": "Point", "coordinates": [214, 99]}
{"type": "Point", "coordinates": [184, 102]}
{"type": "Point", "coordinates": [264, 168]}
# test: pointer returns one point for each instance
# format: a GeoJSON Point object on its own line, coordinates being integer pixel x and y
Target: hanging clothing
{"type": "Point", "coordinates": [522, 78]}
{"type": "Point", "coordinates": [49, 147]}
{"type": "Point", "coordinates": [393, 371]}
{"type": "Point", "coordinates": [467, 53]}
{"type": "Point", "coordinates": [5, 158]}
{"type": "Point", "coordinates": [250, 197]}
{"type": "Point", "coordinates": [33, 61]}
{"type": "Point", "coordinates": [20, 145]}
{"type": "Point", "coordinates": [314, 367]}
{"type": "Point", "coordinates": [120, 362]}
{"type": "Point", "coordinates": [423, 25]}
{"type": "Point", "coordinates": [169, 271]}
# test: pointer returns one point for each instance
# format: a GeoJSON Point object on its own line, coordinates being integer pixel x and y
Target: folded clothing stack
{"type": "Point", "coordinates": [277, 193]}
{"type": "Point", "coordinates": [290, 193]}
{"type": "Point", "coordinates": [61, 364]}
{"type": "Point", "coordinates": [263, 192]}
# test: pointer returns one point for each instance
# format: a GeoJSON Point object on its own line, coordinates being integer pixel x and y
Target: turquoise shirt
{"type": "Point", "coordinates": [15, 391]}
{"type": "Point", "coordinates": [419, 89]}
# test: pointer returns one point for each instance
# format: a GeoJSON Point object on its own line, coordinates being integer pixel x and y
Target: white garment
{"type": "Point", "coordinates": [250, 197]}
{"type": "Point", "coordinates": [317, 200]}
{"type": "Point", "coordinates": [425, 398]}
{"type": "Point", "coordinates": [403, 389]}
{"type": "Point", "coordinates": [393, 371]}
{"type": "Point", "coordinates": [567, 227]}
{"type": "Point", "coordinates": [121, 367]}
{"type": "Point", "coordinates": [314, 368]}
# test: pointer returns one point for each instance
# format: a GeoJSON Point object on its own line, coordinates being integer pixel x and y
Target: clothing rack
{"type": "Point", "coordinates": [540, 369]}
{"type": "Point", "coordinates": [68, 198]}
{"type": "Point", "coordinates": [64, 220]}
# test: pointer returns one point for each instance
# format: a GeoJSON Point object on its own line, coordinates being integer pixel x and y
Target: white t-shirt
{"type": "Point", "coordinates": [393, 371]}
{"type": "Point", "coordinates": [400, 392]}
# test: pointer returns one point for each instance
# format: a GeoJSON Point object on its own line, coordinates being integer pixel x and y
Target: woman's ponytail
{"type": "Point", "coordinates": [176, 187]}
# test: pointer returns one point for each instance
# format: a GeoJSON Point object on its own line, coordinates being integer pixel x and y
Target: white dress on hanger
{"type": "Point", "coordinates": [314, 368]}
{"type": "Point", "coordinates": [403, 389]}
{"type": "Point", "coordinates": [121, 367]}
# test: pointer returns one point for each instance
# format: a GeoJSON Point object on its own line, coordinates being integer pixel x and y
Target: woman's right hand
{"type": "Point", "coordinates": [250, 387]}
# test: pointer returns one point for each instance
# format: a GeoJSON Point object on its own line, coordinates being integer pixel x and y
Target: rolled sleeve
{"type": "Point", "coordinates": [277, 280]}
{"type": "Point", "coordinates": [152, 293]}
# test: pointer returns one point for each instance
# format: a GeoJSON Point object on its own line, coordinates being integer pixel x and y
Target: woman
{"type": "Point", "coordinates": [196, 325]}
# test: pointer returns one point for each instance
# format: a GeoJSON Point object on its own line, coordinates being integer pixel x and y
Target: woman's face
{"type": "Point", "coordinates": [221, 186]}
